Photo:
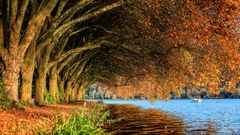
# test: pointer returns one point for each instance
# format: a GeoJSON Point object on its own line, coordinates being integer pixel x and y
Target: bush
{"type": "Point", "coordinates": [100, 102]}
{"type": "Point", "coordinates": [50, 99]}
{"type": "Point", "coordinates": [81, 123]}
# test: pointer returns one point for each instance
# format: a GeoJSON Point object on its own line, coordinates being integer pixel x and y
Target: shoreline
{"type": "Point", "coordinates": [133, 119]}
{"type": "Point", "coordinates": [138, 119]}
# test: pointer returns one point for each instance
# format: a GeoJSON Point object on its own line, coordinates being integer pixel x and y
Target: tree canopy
{"type": "Point", "coordinates": [182, 43]}
{"type": "Point", "coordinates": [149, 48]}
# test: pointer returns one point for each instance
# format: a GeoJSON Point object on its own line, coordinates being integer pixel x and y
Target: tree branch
{"type": "Point", "coordinates": [3, 50]}
{"type": "Point", "coordinates": [22, 11]}
{"type": "Point", "coordinates": [65, 62]}
{"type": "Point", "coordinates": [88, 16]}
{"type": "Point", "coordinates": [125, 84]}
{"type": "Point", "coordinates": [47, 9]}
{"type": "Point", "coordinates": [14, 10]}
{"type": "Point", "coordinates": [33, 7]}
{"type": "Point", "coordinates": [78, 71]}
{"type": "Point", "coordinates": [66, 16]}
{"type": "Point", "coordinates": [104, 29]}
{"type": "Point", "coordinates": [60, 8]}
{"type": "Point", "coordinates": [78, 50]}
{"type": "Point", "coordinates": [35, 23]}
{"type": "Point", "coordinates": [71, 69]}
{"type": "Point", "coordinates": [64, 41]}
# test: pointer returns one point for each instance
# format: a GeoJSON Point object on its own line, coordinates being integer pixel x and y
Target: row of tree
{"type": "Point", "coordinates": [44, 38]}
{"type": "Point", "coordinates": [186, 43]}
{"type": "Point", "coordinates": [150, 47]}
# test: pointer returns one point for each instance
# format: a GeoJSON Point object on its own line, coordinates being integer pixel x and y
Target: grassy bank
{"type": "Point", "coordinates": [54, 119]}
{"type": "Point", "coordinates": [80, 122]}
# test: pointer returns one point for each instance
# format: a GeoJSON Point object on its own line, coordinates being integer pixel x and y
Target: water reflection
{"type": "Point", "coordinates": [138, 121]}
{"type": "Point", "coordinates": [219, 117]}
{"type": "Point", "coordinates": [209, 129]}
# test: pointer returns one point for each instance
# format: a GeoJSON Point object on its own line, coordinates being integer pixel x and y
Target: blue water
{"type": "Point", "coordinates": [224, 114]}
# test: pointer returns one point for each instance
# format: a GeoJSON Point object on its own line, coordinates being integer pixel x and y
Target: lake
{"type": "Point", "coordinates": [220, 114]}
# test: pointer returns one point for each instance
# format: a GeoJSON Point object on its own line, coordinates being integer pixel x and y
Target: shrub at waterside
{"type": "Point", "coordinates": [81, 122]}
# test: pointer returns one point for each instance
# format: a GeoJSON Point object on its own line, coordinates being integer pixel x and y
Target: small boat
{"type": "Point", "coordinates": [196, 99]}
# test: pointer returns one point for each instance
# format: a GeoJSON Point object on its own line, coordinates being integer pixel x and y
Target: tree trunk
{"type": "Point", "coordinates": [26, 84]}
{"type": "Point", "coordinates": [40, 88]}
{"type": "Point", "coordinates": [11, 76]}
{"type": "Point", "coordinates": [68, 91]}
{"type": "Point", "coordinates": [27, 71]}
{"type": "Point", "coordinates": [16, 42]}
{"type": "Point", "coordinates": [81, 93]}
{"type": "Point", "coordinates": [61, 90]}
{"type": "Point", "coordinates": [73, 96]}
{"type": "Point", "coordinates": [53, 84]}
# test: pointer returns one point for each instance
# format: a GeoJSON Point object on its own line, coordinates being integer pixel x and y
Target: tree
{"type": "Point", "coordinates": [185, 43]}
{"type": "Point", "coordinates": [24, 22]}
{"type": "Point", "coordinates": [18, 30]}
{"type": "Point", "coordinates": [149, 48]}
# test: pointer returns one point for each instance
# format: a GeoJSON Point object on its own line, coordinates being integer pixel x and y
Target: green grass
{"type": "Point", "coordinates": [81, 123]}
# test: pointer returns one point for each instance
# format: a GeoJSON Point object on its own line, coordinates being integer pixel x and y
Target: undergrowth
{"type": "Point", "coordinates": [81, 122]}
{"type": "Point", "coordinates": [49, 99]}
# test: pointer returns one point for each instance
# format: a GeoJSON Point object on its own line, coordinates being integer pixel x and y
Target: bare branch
{"type": "Point", "coordinates": [88, 16]}
{"type": "Point", "coordinates": [125, 84]}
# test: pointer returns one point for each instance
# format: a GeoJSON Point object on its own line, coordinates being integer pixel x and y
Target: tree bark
{"type": "Point", "coordinates": [11, 76]}
{"type": "Point", "coordinates": [53, 84]}
{"type": "Point", "coordinates": [27, 71]}
{"type": "Point", "coordinates": [68, 91]}
{"type": "Point", "coordinates": [16, 44]}
{"type": "Point", "coordinates": [73, 94]}
{"type": "Point", "coordinates": [61, 92]}
{"type": "Point", "coordinates": [80, 93]}
{"type": "Point", "coordinates": [40, 88]}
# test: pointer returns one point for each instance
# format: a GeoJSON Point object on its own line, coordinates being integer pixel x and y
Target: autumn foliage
{"type": "Point", "coordinates": [144, 48]}
{"type": "Point", "coordinates": [184, 43]}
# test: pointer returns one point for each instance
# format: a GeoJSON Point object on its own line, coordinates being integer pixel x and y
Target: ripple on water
{"type": "Point", "coordinates": [136, 120]}
{"type": "Point", "coordinates": [223, 114]}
